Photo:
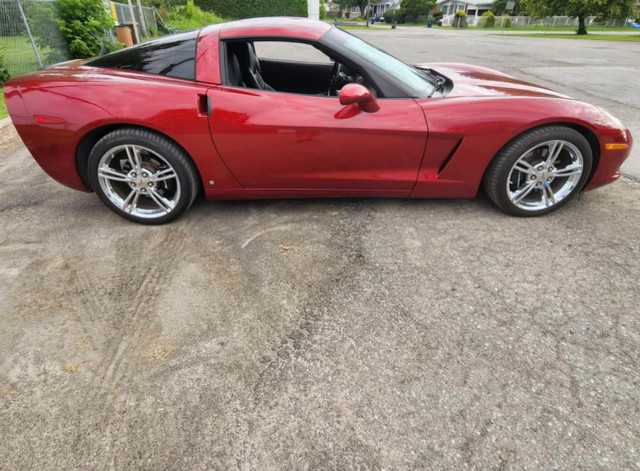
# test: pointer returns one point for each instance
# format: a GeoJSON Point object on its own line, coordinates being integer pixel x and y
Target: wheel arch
{"type": "Point", "coordinates": [588, 134]}
{"type": "Point", "coordinates": [90, 139]}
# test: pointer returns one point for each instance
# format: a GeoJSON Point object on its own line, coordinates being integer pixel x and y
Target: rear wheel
{"type": "Point", "coordinates": [142, 176]}
{"type": "Point", "coordinates": [540, 171]}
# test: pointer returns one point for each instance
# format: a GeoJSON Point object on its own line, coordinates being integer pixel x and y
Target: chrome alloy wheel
{"type": "Point", "coordinates": [139, 181]}
{"type": "Point", "coordinates": [545, 175]}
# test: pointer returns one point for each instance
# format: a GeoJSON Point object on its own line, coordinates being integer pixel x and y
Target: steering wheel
{"type": "Point", "coordinates": [338, 79]}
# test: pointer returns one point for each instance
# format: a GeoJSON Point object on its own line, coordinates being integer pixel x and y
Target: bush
{"type": "Point", "coordinates": [80, 30]}
{"type": "Point", "coordinates": [506, 21]}
{"type": "Point", "coordinates": [84, 25]}
{"type": "Point", "coordinates": [487, 20]}
{"type": "Point", "coordinates": [254, 8]}
{"type": "Point", "coordinates": [191, 17]}
{"type": "Point", "coordinates": [323, 10]}
{"type": "Point", "coordinates": [460, 19]}
{"type": "Point", "coordinates": [437, 16]}
{"type": "Point", "coordinates": [394, 15]}
{"type": "Point", "coordinates": [4, 73]}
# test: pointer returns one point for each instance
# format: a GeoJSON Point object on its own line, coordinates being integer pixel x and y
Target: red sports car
{"type": "Point", "coordinates": [285, 107]}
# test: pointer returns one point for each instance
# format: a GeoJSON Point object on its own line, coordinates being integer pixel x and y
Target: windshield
{"type": "Point", "coordinates": [421, 84]}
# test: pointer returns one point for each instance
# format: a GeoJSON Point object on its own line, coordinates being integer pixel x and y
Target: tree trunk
{"type": "Point", "coordinates": [582, 27]}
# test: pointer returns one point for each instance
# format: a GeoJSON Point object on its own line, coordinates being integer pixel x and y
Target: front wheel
{"type": "Point", "coordinates": [142, 176]}
{"type": "Point", "coordinates": [540, 171]}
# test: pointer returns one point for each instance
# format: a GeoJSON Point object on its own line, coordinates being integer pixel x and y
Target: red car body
{"type": "Point", "coordinates": [257, 144]}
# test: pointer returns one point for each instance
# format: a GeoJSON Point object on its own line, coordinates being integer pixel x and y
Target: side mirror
{"type": "Point", "coordinates": [354, 93]}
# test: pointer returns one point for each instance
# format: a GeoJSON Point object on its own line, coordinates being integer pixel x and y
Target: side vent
{"type": "Point", "coordinates": [446, 161]}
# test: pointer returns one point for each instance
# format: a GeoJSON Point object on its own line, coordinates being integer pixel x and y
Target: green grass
{"type": "Point", "coordinates": [190, 17]}
{"type": "Point", "coordinates": [18, 53]}
{"type": "Point", "coordinates": [364, 27]}
{"type": "Point", "coordinates": [593, 37]}
{"type": "Point", "coordinates": [3, 107]}
{"type": "Point", "coordinates": [547, 28]}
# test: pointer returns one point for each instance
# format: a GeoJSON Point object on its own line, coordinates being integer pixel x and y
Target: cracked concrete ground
{"type": "Point", "coordinates": [327, 334]}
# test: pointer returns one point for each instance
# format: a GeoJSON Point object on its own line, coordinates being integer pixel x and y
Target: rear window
{"type": "Point", "coordinates": [173, 56]}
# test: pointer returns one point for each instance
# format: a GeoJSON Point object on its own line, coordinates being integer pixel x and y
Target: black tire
{"type": "Point", "coordinates": [183, 166]}
{"type": "Point", "coordinates": [495, 179]}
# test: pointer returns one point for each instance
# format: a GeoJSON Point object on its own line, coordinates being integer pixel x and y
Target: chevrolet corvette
{"type": "Point", "coordinates": [230, 111]}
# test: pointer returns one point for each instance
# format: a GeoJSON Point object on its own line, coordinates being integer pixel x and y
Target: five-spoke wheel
{"type": "Point", "coordinates": [142, 176]}
{"type": "Point", "coordinates": [540, 171]}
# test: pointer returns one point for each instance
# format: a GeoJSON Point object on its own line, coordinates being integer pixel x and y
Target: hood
{"type": "Point", "coordinates": [474, 81]}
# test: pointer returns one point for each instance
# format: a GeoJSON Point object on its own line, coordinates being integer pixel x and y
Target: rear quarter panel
{"type": "Point", "coordinates": [88, 98]}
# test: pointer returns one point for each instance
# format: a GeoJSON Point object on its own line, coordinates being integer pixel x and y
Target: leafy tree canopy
{"type": "Point", "coordinates": [500, 7]}
{"type": "Point", "coordinates": [416, 8]}
{"type": "Point", "coordinates": [581, 9]}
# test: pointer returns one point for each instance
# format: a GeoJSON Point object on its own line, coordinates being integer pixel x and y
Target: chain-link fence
{"type": "Point", "coordinates": [144, 18]}
{"type": "Point", "coordinates": [556, 21]}
{"type": "Point", "coordinates": [550, 21]}
{"type": "Point", "coordinates": [29, 35]}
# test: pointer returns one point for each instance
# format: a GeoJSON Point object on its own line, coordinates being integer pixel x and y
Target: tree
{"type": "Point", "coordinates": [416, 8]}
{"type": "Point", "coordinates": [364, 9]}
{"type": "Point", "coordinates": [500, 7]}
{"type": "Point", "coordinates": [581, 9]}
{"type": "Point", "coordinates": [342, 6]}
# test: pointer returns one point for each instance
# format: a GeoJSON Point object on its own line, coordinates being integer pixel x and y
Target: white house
{"type": "Point", "coordinates": [377, 7]}
{"type": "Point", "coordinates": [380, 7]}
{"type": "Point", "coordinates": [473, 8]}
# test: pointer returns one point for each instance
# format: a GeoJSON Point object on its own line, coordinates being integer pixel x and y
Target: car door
{"type": "Point", "coordinates": [273, 140]}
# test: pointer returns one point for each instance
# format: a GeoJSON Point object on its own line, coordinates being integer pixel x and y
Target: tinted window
{"type": "Point", "coordinates": [290, 51]}
{"type": "Point", "coordinates": [174, 56]}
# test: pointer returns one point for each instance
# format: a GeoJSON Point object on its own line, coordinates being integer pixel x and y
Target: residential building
{"type": "Point", "coordinates": [473, 8]}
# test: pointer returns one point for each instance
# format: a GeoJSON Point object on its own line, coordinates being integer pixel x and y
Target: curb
{"type": "Point", "coordinates": [7, 130]}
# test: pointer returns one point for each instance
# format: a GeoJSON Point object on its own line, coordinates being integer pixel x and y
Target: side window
{"type": "Point", "coordinates": [173, 56]}
{"type": "Point", "coordinates": [290, 51]}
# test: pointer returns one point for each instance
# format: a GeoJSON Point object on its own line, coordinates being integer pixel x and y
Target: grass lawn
{"type": "Point", "coordinates": [546, 28]}
{"type": "Point", "coordinates": [373, 28]}
{"type": "Point", "coordinates": [18, 55]}
{"type": "Point", "coordinates": [593, 37]}
{"type": "Point", "coordinates": [3, 107]}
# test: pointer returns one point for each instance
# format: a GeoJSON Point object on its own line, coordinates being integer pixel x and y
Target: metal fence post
{"type": "Point", "coordinates": [33, 43]}
{"type": "Point", "coordinates": [136, 31]}
{"type": "Point", "coordinates": [143, 21]}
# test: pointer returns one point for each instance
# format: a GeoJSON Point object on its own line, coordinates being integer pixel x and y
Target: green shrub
{"type": "Point", "coordinates": [191, 17]}
{"type": "Point", "coordinates": [460, 19]}
{"type": "Point", "coordinates": [487, 20]}
{"type": "Point", "coordinates": [84, 25]}
{"type": "Point", "coordinates": [323, 10]}
{"type": "Point", "coordinates": [4, 73]}
{"type": "Point", "coordinates": [254, 8]}
{"type": "Point", "coordinates": [506, 21]}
